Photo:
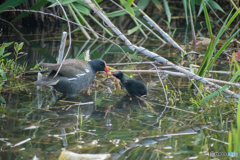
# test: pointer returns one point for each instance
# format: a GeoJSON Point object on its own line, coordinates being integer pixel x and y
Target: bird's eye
{"type": "Point", "coordinates": [102, 63]}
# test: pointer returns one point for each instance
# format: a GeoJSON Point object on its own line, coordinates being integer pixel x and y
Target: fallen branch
{"type": "Point", "coordinates": [177, 74]}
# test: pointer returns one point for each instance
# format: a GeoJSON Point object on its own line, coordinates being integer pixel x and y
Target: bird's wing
{"type": "Point", "coordinates": [70, 67]}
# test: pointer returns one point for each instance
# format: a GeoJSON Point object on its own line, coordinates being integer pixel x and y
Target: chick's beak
{"type": "Point", "coordinates": [109, 73]}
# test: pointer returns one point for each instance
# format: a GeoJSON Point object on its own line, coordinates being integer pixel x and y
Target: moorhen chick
{"type": "Point", "coordinates": [74, 76]}
{"type": "Point", "coordinates": [133, 86]}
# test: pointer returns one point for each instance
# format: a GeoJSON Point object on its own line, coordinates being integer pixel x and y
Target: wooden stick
{"type": "Point", "coordinates": [62, 47]}
{"type": "Point", "coordinates": [177, 74]}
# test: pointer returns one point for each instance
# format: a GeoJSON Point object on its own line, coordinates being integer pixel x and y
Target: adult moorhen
{"type": "Point", "coordinates": [74, 76]}
{"type": "Point", "coordinates": [133, 86]}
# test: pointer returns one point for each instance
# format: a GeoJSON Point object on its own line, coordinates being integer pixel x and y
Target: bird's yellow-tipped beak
{"type": "Point", "coordinates": [107, 70]}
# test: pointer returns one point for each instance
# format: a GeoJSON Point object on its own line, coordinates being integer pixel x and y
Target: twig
{"type": "Point", "coordinates": [39, 77]}
{"type": "Point", "coordinates": [171, 84]}
{"type": "Point", "coordinates": [18, 33]}
{"type": "Point", "coordinates": [80, 104]}
{"type": "Point", "coordinates": [70, 39]}
{"type": "Point", "coordinates": [215, 12]}
{"type": "Point", "coordinates": [161, 83]}
{"type": "Point", "coordinates": [132, 63]}
{"type": "Point", "coordinates": [196, 87]}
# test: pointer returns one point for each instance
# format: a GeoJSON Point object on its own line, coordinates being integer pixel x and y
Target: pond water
{"type": "Point", "coordinates": [34, 124]}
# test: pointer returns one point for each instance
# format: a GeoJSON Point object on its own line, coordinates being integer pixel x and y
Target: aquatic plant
{"type": "Point", "coordinates": [10, 66]}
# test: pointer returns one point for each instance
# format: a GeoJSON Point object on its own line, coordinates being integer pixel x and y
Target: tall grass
{"type": "Point", "coordinates": [208, 60]}
{"type": "Point", "coordinates": [234, 134]}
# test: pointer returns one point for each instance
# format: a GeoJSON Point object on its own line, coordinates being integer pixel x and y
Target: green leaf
{"type": "Point", "coordinates": [7, 44]}
{"type": "Point", "coordinates": [6, 54]}
{"type": "Point", "coordinates": [214, 5]}
{"type": "Point", "coordinates": [166, 22]}
{"type": "Point", "coordinates": [2, 99]}
{"type": "Point", "coordinates": [167, 10]}
{"type": "Point", "coordinates": [200, 9]}
{"type": "Point", "coordinates": [207, 19]}
{"type": "Point", "coordinates": [193, 10]}
{"type": "Point", "coordinates": [81, 8]}
{"type": "Point", "coordinates": [232, 19]}
{"type": "Point", "coordinates": [10, 4]}
{"type": "Point", "coordinates": [130, 2]}
{"type": "Point", "coordinates": [131, 31]}
{"type": "Point", "coordinates": [3, 46]}
{"type": "Point", "coordinates": [208, 55]}
{"type": "Point", "coordinates": [211, 3]}
{"type": "Point", "coordinates": [36, 6]}
{"type": "Point", "coordinates": [185, 10]}
{"type": "Point", "coordinates": [127, 7]}
{"type": "Point", "coordinates": [157, 4]}
{"type": "Point", "coordinates": [63, 2]}
{"type": "Point", "coordinates": [222, 48]}
{"type": "Point", "coordinates": [120, 12]}
{"type": "Point", "coordinates": [83, 3]}
{"type": "Point", "coordinates": [3, 75]}
{"type": "Point", "coordinates": [20, 46]}
{"type": "Point", "coordinates": [15, 46]}
{"type": "Point", "coordinates": [142, 4]}
{"type": "Point", "coordinates": [135, 57]}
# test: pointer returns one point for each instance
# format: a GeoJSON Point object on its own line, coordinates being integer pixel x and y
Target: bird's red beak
{"type": "Point", "coordinates": [107, 70]}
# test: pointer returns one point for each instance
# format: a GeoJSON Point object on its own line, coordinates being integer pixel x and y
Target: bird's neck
{"type": "Point", "coordinates": [91, 64]}
{"type": "Point", "coordinates": [123, 79]}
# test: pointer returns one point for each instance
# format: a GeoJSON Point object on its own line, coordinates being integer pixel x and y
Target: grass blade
{"type": "Point", "coordinates": [185, 10]}
{"type": "Point", "coordinates": [167, 10]}
{"type": "Point", "coordinates": [157, 4]}
{"type": "Point", "coordinates": [220, 90]}
{"type": "Point", "coordinates": [131, 31]}
{"type": "Point", "coordinates": [207, 58]}
{"type": "Point", "coordinates": [222, 48]}
{"type": "Point", "coordinates": [207, 19]}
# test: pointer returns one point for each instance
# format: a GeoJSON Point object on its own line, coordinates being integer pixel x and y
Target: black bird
{"type": "Point", "coordinates": [133, 86]}
{"type": "Point", "coordinates": [74, 76]}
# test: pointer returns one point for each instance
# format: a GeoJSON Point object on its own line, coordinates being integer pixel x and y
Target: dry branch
{"type": "Point", "coordinates": [177, 74]}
